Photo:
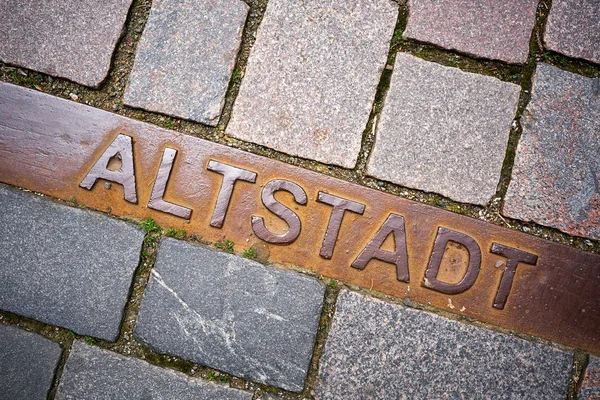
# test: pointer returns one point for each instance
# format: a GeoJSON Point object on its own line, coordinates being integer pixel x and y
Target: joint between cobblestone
{"type": "Point", "coordinates": [122, 58]}
{"type": "Point", "coordinates": [580, 362]}
{"type": "Point", "coordinates": [114, 65]}
{"type": "Point", "coordinates": [128, 345]}
{"type": "Point", "coordinates": [59, 370]}
{"type": "Point", "coordinates": [519, 74]}
{"type": "Point", "coordinates": [451, 58]}
{"type": "Point", "coordinates": [140, 280]}
{"type": "Point", "coordinates": [331, 295]}
{"type": "Point", "coordinates": [526, 83]}
{"type": "Point", "coordinates": [537, 53]}
{"type": "Point", "coordinates": [253, 21]}
{"type": "Point", "coordinates": [369, 134]}
{"type": "Point", "coordinates": [574, 65]}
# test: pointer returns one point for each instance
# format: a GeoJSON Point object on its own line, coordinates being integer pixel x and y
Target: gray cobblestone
{"type": "Point", "coordinates": [231, 314]}
{"type": "Point", "coordinates": [185, 58]}
{"type": "Point", "coordinates": [573, 29]}
{"type": "Point", "coordinates": [377, 350]}
{"type": "Point", "coordinates": [312, 76]}
{"type": "Point", "coordinates": [555, 178]}
{"type": "Point", "coordinates": [65, 266]}
{"type": "Point", "coordinates": [443, 130]}
{"type": "Point", "coordinates": [94, 373]}
{"type": "Point", "coordinates": [73, 39]}
{"type": "Point", "coordinates": [27, 364]}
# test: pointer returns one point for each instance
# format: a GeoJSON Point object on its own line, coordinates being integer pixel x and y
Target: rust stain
{"type": "Point", "coordinates": [453, 266]}
{"type": "Point", "coordinates": [553, 293]}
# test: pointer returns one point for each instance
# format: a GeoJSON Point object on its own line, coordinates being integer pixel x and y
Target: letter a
{"type": "Point", "coordinates": [394, 224]}
{"type": "Point", "coordinates": [121, 148]}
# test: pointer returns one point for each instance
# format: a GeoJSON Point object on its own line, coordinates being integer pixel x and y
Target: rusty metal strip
{"type": "Point", "coordinates": [333, 227]}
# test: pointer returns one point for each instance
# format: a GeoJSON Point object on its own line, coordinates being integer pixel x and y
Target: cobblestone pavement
{"type": "Point", "coordinates": [277, 199]}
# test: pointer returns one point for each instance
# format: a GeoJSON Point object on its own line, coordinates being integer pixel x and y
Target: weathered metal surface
{"type": "Point", "coordinates": [50, 145]}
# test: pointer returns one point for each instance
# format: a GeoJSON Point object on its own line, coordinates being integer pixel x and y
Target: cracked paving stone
{"type": "Point", "coordinates": [94, 373]}
{"type": "Point", "coordinates": [590, 386]}
{"type": "Point", "coordinates": [498, 30]}
{"type": "Point", "coordinates": [444, 130]}
{"type": "Point", "coordinates": [27, 364]}
{"type": "Point", "coordinates": [377, 350]}
{"type": "Point", "coordinates": [65, 266]}
{"type": "Point", "coordinates": [185, 58]}
{"type": "Point", "coordinates": [231, 314]}
{"type": "Point", "coordinates": [312, 76]}
{"type": "Point", "coordinates": [73, 39]}
{"type": "Point", "coordinates": [556, 175]}
{"type": "Point", "coordinates": [573, 29]}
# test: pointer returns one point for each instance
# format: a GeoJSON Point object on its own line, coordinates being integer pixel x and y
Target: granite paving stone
{"type": "Point", "coordinates": [377, 350]}
{"type": "Point", "coordinates": [498, 30]}
{"type": "Point", "coordinates": [312, 75]}
{"type": "Point", "coordinates": [185, 58]}
{"type": "Point", "coordinates": [94, 373]}
{"type": "Point", "coordinates": [65, 266]}
{"type": "Point", "coordinates": [27, 364]}
{"type": "Point", "coordinates": [590, 385]}
{"type": "Point", "coordinates": [573, 29]}
{"type": "Point", "coordinates": [73, 39]}
{"type": "Point", "coordinates": [443, 130]}
{"type": "Point", "coordinates": [556, 174]}
{"type": "Point", "coordinates": [231, 314]}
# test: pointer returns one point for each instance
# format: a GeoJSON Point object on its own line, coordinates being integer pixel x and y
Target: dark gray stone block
{"type": "Point", "coordinates": [573, 29]}
{"type": "Point", "coordinates": [231, 314]}
{"type": "Point", "coordinates": [590, 386]}
{"type": "Point", "coordinates": [94, 373]}
{"type": "Point", "coordinates": [65, 266]}
{"type": "Point", "coordinates": [185, 58]}
{"type": "Point", "coordinates": [555, 178]}
{"type": "Point", "coordinates": [27, 364]}
{"type": "Point", "coordinates": [312, 76]}
{"type": "Point", "coordinates": [444, 130]}
{"type": "Point", "coordinates": [377, 350]}
{"type": "Point", "coordinates": [499, 29]}
{"type": "Point", "coordinates": [73, 39]}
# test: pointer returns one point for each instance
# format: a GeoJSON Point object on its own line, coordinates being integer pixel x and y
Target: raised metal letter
{"type": "Point", "coordinates": [122, 149]}
{"type": "Point", "coordinates": [443, 237]}
{"type": "Point", "coordinates": [514, 257]}
{"type": "Point", "coordinates": [340, 206]}
{"type": "Point", "coordinates": [230, 176]}
{"type": "Point", "coordinates": [393, 224]}
{"type": "Point", "coordinates": [160, 185]}
{"type": "Point", "coordinates": [290, 217]}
